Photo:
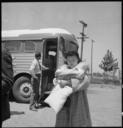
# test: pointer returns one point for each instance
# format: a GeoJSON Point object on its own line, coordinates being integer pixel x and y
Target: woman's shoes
{"type": "Point", "coordinates": [44, 104]}
{"type": "Point", "coordinates": [33, 109]}
{"type": "Point", "coordinates": [38, 105]}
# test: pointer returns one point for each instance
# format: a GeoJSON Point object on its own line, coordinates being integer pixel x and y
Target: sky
{"type": "Point", "coordinates": [103, 23]}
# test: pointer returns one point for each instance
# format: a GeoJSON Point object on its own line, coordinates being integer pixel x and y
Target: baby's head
{"type": "Point", "coordinates": [72, 58]}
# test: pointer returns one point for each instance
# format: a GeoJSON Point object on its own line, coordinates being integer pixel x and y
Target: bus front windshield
{"type": "Point", "coordinates": [66, 46]}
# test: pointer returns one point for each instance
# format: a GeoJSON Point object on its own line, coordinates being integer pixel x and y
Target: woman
{"type": "Point", "coordinates": [75, 112]}
{"type": "Point", "coordinates": [7, 83]}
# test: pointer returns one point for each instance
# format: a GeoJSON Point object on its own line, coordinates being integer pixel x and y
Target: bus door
{"type": "Point", "coordinates": [49, 59]}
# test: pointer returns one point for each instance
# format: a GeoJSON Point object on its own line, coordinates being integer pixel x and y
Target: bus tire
{"type": "Point", "coordinates": [22, 89]}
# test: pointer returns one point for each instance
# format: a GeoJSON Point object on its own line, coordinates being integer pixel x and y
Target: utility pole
{"type": "Point", "coordinates": [82, 35]}
{"type": "Point", "coordinates": [92, 41]}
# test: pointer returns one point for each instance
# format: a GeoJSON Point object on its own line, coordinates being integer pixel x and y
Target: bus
{"type": "Point", "coordinates": [53, 43]}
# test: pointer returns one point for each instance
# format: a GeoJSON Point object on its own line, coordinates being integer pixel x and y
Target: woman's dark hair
{"type": "Point", "coordinates": [37, 54]}
{"type": "Point", "coordinates": [72, 53]}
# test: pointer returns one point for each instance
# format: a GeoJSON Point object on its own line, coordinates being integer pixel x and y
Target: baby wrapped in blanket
{"type": "Point", "coordinates": [66, 82]}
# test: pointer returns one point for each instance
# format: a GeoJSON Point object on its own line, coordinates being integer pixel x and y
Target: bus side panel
{"type": "Point", "coordinates": [22, 62]}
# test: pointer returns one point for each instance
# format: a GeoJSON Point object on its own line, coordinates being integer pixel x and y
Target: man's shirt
{"type": "Point", "coordinates": [35, 67]}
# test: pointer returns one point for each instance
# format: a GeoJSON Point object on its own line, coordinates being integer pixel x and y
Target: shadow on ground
{"type": "Point", "coordinates": [17, 112]}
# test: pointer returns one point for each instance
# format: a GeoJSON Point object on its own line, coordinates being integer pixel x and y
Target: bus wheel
{"type": "Point", "coordinates": [22, 89]}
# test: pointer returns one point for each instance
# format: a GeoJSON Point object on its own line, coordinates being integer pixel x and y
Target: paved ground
{"type": "Point", "coordinates": [104, 102]}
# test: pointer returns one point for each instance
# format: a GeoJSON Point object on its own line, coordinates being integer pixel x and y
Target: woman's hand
{"type": "Point", "coordinates": [64, 83]}
{"type": "Point", "coordinates": [80, 84]}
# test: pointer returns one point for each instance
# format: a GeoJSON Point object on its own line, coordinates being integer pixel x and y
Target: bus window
{"type": "Point", "coordinates": [66, 45]}
{"type": "Point", "coordinates": [13, 46]}
{"type": "Point", "coordinates": [29, 46]}
{"type": "Point", "coordinates": [71, 46]}
{"type": "Point", "coordinates": [39, 45]}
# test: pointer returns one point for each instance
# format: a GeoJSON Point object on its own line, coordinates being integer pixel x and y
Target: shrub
{"type": "Point", "coordinates": [97, 80]}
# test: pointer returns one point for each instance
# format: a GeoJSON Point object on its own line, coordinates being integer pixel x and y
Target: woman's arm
{"type": "Point", "coordinates": [77, 72]}
{"type": "Point", "coordinates": [62, 83]}
{"type": "Point", "coordinates": [68, 74]}
{"type": "Point", "coordinates": [80, 84]}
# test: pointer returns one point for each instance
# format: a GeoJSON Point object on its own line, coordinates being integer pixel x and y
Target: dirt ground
{"type": "Point", "coordinates": [104, 102]}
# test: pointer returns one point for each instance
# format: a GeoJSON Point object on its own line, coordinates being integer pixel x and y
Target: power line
{"type": "Point", "coordinates": [92, 41]}
{"type": "Point", "coordinates": [82, 35]}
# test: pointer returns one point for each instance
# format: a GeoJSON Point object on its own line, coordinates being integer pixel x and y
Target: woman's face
{"type": "Point", "coordinates": [72, 61]}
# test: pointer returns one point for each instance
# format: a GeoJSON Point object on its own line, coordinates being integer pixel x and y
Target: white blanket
{"type": "Point", "coordinates": [58, 97]}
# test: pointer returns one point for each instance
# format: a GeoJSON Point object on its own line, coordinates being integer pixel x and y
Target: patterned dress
{"type": "Point", "coordinates": [75, 112]}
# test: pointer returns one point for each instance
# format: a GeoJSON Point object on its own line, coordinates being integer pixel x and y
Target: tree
{"type": "Point", "coordinates": [108, 63]}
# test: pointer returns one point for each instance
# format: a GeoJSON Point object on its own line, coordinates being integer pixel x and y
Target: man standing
{"type": "Point", "coordinates": [7, 83]}
{"type": "Point", "coordinates": [35, 71]}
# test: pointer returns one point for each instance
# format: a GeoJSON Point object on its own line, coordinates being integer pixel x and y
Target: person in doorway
{"type": "Point", "coordinates": [75, 111]}
{"type": "Point", "coordinates": [35, 70]}
{"type": "Point", "coordinates": [7, 83]}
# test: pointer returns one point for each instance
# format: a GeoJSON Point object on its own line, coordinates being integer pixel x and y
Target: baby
{"type": "Point", "coordinates": [68, 73]}
{"type": "Point", "coordinates": [69, 78]}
